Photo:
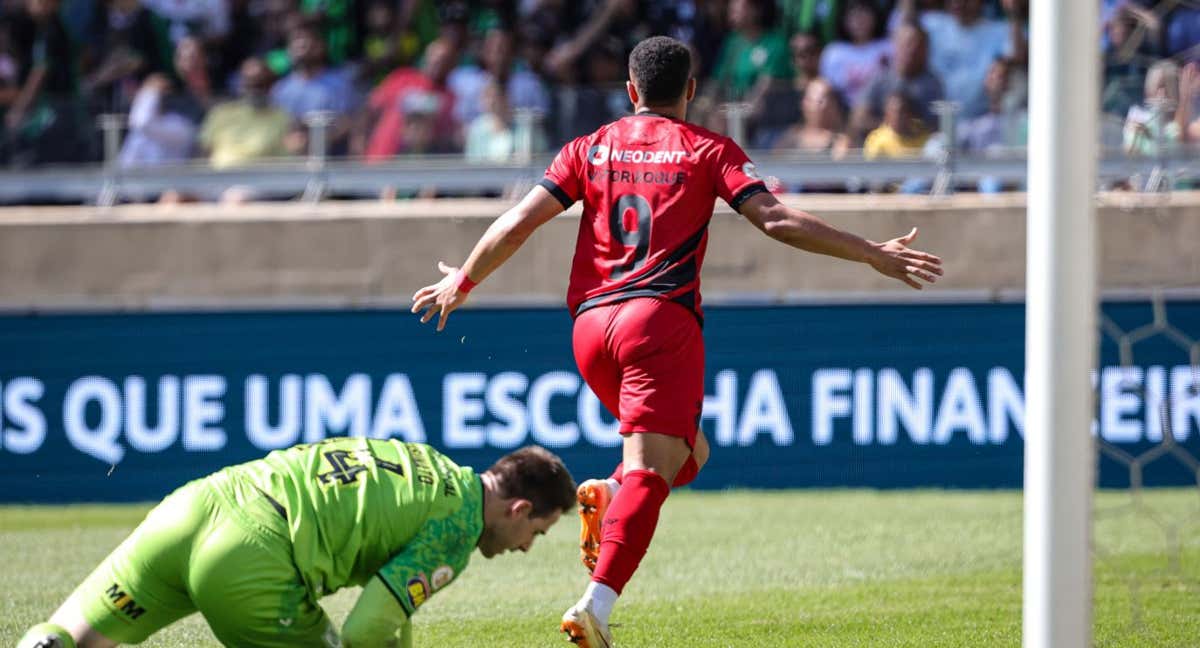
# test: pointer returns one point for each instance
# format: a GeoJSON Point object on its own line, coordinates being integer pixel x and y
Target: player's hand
{"type": "Point", "coordinates": [895, 259]}
{"type": "Point", "coordinates": [440, 299]}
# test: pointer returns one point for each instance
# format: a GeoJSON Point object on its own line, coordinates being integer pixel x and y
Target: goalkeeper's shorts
{"type": "Point", "coordinates": [205, 548]}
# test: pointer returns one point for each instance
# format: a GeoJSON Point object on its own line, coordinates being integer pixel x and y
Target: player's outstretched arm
{"type": "Point", "coordinates": [805, 231]}
{"type": "Point", "coordinates": [377, 619]}
{"type": "Point", "coordinates": [501, 240]}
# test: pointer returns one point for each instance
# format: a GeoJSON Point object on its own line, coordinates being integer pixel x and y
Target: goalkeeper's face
{"type": "Point", "coordinates": [515, 530]}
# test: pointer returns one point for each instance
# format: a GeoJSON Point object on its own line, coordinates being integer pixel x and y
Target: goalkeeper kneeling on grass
{"type": "Point", "coordinates": [254, 546]}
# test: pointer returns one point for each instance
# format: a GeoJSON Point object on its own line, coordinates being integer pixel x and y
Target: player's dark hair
{"type": "Point", "coordinates": [660, 67]}
{"type": "Point", "coordinates": [534, 473]}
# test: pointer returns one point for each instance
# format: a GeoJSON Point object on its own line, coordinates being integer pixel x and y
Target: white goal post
{"type": "Point", "coordinates": [1060, 324]}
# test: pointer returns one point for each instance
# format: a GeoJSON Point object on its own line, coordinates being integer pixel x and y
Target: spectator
{"type": "Point", "coordinates": [909, 73]}
{"type": "Point", "coordinates": [77, 16]}
{"type": "Point", "coordinates": [821, 132]}
{"type": "Point", "coordinates": [157, 134]}
{"type": "Point", "coordinates": [164, 117]}
{"type": "Point", "coordinates": [522, 87]}
{"type": "Point", "coordinates": [386, 109]}
{"type": "Point", "coordinates": [421, 109]}
{"type": "Point", "coordinates": [494, 136]}
{"type": "Point", "coordinates": [339, 19]}
{"type": "Point", "coordinates": [1183, 32]}
{"type": "Point", "coordinates": [247, 21]}
{"type": "Point", "coordinates": [581, 109]}
{"type": "Point", "coordinates": [1189, 95]}
{"type": "Point", "coordinates": [778, 108]}
{"type": "Point", "coordinates": [10, 68]}
{"type": "Point", "coordinates": [753, 54]}
{"type": "Point", "coordinates": [1000, 128]}
{"type": "Point", "coordinates": [490, 136]}
{"type": "Point", "coordinates": [603, 21]}
{"type": "Point", "coordinates": [1157, 120]}
{"type": "Point", "coordinates": [535, 39]}
{"type": "Point", "coordinates": [1145, 22]}
{"type": "Point", "coordinates": [123, 47]}
{"type": "Point", "coordinates": [850, 62]}
{"type": "Point", "coordinates": [383, 46]}
{"type": "Point", "coordinates": [204, 19]}
{"type": "Point", "coordinates": [806, 50]}
{"type": "Point", "coordinates": [900, 135]}
{"type": "Point", "coordinates": [683, 20]}
{"type": "Point", "coordinates": [44, 122]}
{"type": "Point", "coordinates": [708, 34]}
{"type": "Point", "coordinates": [191, 68]}
{"type": "Point", "coordinates": [962, 46]}
{"type": "Point", "coordinates": [1128, 58]}
{"type": "Point", "coordinates": [249, 129]}
{"type": "Point", "coordinates": [280, 19]}
{"type": "Point", "coordinates": [821, 18]}
{"type": "Point", "coordinates": [313, 86]}
{"type": "Point", "coordinates": [420, 22]}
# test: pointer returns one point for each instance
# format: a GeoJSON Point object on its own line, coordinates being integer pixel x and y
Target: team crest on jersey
{"type": "Point", "coordinates": [750, 170]}
{"type": "Point", "coordinates": [598, 154]}
{"type": "Point", "coordinates": [441, 577]}
{"type": "Point", "coordinates": [418, 590]}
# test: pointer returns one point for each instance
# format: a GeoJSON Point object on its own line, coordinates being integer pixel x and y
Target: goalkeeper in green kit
{"type": "Point", "coordinates": [254, 546]}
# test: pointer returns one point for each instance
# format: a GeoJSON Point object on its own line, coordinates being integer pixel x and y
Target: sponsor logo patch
{"type": "Point", "coordinates": [441, 577]}
{"type": "Point", "coordinates": [122, 602]}
{"type": "Point", "coordinates": [598, 154]}
{"type": "Point", "coordinates": [750, 170]}
{"type": "Point", "coordinates": [418, 590]}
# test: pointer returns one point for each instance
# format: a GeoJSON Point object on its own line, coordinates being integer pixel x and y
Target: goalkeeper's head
{"type": "Point", "coordinates": [525, 493]}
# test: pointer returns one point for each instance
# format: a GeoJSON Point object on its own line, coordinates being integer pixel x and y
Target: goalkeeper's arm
{"type": "Point", "coordinates": [377, 620]}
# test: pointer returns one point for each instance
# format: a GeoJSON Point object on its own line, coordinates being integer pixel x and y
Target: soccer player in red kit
{"type": "Point", "coordinates": [647, 182]}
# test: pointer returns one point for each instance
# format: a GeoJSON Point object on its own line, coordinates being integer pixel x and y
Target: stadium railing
{"type": "Point", "coordinates": [319, 177]}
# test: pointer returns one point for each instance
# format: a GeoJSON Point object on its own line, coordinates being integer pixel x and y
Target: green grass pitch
{"type": "Point", "coordinates": [738, 568]}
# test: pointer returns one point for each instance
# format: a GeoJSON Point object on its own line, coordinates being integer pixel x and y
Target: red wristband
{"type": "Point", "coordinates": [463, 283]}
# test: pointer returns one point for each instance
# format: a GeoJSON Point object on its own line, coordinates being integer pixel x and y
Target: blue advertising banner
{"type": "Point", "coordinates": [125, 407]}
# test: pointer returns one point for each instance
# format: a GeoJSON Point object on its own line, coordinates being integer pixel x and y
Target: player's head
{"type": "Point", "coordinates": [527, 491]}
{"type": "Point", "coordinates": [660, 73]}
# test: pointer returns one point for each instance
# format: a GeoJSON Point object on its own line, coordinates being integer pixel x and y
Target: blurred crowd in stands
{"type": "Point", "coordinates": [235, 81]}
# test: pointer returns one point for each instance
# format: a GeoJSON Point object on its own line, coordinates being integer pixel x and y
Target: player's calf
{"type": "Point", "coordinates": [67, 628]}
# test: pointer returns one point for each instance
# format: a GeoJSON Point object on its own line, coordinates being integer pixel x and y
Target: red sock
{"type": "Point", "coordinates": [687, 473]}
{"type": "Point", "coordinates": [684, 477]}
{"type": "Point", "coordinates": [628, 527]}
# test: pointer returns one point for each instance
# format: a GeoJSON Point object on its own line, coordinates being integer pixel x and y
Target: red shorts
{"type": "Point", "coordinates": [644, 359]}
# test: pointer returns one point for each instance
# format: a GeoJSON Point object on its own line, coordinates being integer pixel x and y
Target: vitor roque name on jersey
{"type": "Point", "coordinates": [600, 154]}
{"type": "Point", "coordinates": [639, 177]}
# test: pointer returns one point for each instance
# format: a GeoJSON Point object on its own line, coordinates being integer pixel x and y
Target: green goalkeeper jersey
{"type": "Point", "coordinates": [356, 508]}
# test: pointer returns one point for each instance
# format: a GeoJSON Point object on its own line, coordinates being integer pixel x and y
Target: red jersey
{"type": "Point", "coordinates": [648, 184]}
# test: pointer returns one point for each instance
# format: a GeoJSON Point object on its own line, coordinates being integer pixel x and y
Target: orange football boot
{"type": "Point", "coordinates": [593, 497]}
{"type": "Point", "coordinates": [584, 630]}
